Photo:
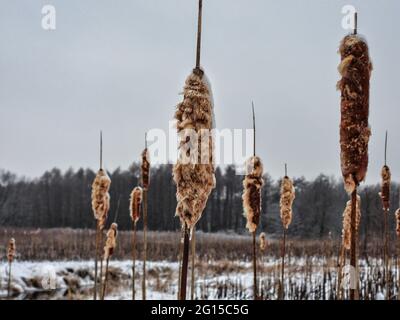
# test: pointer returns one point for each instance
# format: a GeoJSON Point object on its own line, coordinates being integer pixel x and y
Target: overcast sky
{"type": "Point", "coordinates": [120, 66]}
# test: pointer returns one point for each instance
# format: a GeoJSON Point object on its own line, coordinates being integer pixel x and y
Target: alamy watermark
{"type": "Point", "coordinates": [221, 146]}
{"type": "Point", "coordinates": [48, 21]}
{"type": "Point", "coordinates": [348, 21]}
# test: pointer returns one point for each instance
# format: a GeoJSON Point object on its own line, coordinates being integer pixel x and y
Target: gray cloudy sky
{"type": "Point", "coordinates": [120, 66]}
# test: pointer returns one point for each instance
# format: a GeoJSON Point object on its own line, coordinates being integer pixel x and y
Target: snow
{"type": "Point", "coordinates": [215, 280]}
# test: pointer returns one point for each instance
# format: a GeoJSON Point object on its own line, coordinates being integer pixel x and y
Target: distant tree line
{"type": "Point", "coordinates": [58, 199]}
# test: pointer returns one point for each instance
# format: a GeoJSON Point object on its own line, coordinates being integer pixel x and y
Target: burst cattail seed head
{"type": "Point", "coordinates": [194, 180]}
{"type": "Point", "coordinates": [397, 214]}
{"type": "Point", "coordinates": [145, 169]}
{"type": "Point", "coordinates": [252, 185]}
{"type": "Point", "coordinates": [355, 69]}
{"type": "Point", "coordinates": [349, 184]}
{"type": "Point", "coordinates": [385, 187]}
{"type": "Point", "coordinates": [346, 231]}
{"type": "Point", "coordinates": [11, 250]}
{"type": "Point", "coordinates": [111, 241]}
{"type": "Point", "coordinates": [100, 195]}
{"type": "Point", "coordinates": [263, 241]}
{"type": "Point", "coordinates": [135, 202]}
{"type": "Point", "coordinates": [286, 201]}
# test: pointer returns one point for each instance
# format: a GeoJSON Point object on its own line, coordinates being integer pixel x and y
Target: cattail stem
{"type": "Point", "coordinates": [357, 292]}
{"type": "Point", "coordinates": [185, 262]}
{"type": "Point", "coordinates": [100, 279]}
{"type": "Point", "coordinates": [338, 266]}
{"type": "Point", "coordinates": [353, 247]}
{"type": "Point", "coordinates": [133, 258]}
{"type": "Point", "coordinates": [398, 269]}
{"type": "Point", "coordinates": [101, 150]}
{"type": "Point", "coordinates": [96, 260]}
{"type": "Point", "coordinates": [180, 259]}
{"type": "Point", "coordinates": [144, 243]}
{"type": "Point", "coordinates": [105, 280]}
{"type": "Point", "coordinates": [386, 140]}
{"type": "Point", "coordinates": [198, 49]}
{"type": "Point", "coordinates": [261, 273]}
{"type": "Point", "coordinates": [282, 287]}
{"type": "Point", "coordinates": [254, 129]}
{"type": "Point", "coordinates": [255, 291]}
{"type": "Point", "coordinates": [9, 280]}
{"type": "Point", "coordinates": [339, 294]}
{"type": "Point", "coordinates": [355, 23]}
{"type": "Point", "coordinates": [386, 252]}
{"type": "Point", "coordinates": [193, 248]}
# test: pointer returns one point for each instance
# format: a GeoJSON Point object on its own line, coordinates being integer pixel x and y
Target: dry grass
{"type": "Point", "coordinates": [74, 244]}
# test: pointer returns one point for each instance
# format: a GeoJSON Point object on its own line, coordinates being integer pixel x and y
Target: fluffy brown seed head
{"type": "Point", "coordinates": [135, 202]}
{"type": "Point", "coordinates": [286, 201]}
{"type": "Point", "coordinates": [251, 197]}
{"type": "Point", "coordinates": [263, 241]}
{"type": "Point", "coordinates": [195, 178]}
{"type": "Point", "coordinates": [349, 184]}
{"type": "Point", "coordinates": [100, 195]}
{"type": "Point", "coordinates": [11, 250]}
{"type": "Point", "coordinates": [102, 222]}
{"type": "Point", "coordinates": [346, 231]}
{"type": "Point", "coordinates": [355, 69]}
{"type": "Point", "coordinates": [385, 188]}
{"type": "Point", "coordinates": [111, 241]}
{"type": "Point", "coordinates": [145, 169]}
{"type": "Point", "coordinates": [397, 214]}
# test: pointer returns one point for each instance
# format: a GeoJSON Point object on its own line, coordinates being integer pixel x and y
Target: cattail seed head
{"type": "Point", "coordinates": [286, 201]}
{"type": "Point", "coordinates": [195, 178]}
{"type": "Point", "coordinates": [145, 169]}
{"type": "Point", "coordinates": [251, 197]}
{"type": "Point", "coordinates": [111, 241]}
{"type": "Point", "coordinates": [11, 250]}
{"type": "Point", "coordinates": [355, 69]}
{"type": "Point", "coordinates": [385, 187]}
{"type": "Point", "coordinates": [346, 231]}
{"type": "Point", "coordinates": [100, 195]}
{"type": "Point", "coordinates": [102, 222]}
{"type": "Point", "coordinates": [397, 214]}
{"type": "Point", "coordinates": [263, 241]}
{"type": "Point", "coordinates": [135, 202]}
{"type": "Point", "coordinates": [349, 184]}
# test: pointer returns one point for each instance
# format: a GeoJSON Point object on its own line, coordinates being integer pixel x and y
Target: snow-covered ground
{"type": "Point", "coordinates": [306, 278]}
{"type": "Point", "coordinates": [71, 279]}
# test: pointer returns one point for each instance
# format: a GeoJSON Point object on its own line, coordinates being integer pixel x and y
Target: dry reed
{"type": "Point", "coordinates": [385, 197]}
{"type": "Point", "coordinates": [145, 178]}
{"type": "Point", "coordinates": [346, 239]}
{"type": "Point", "coordinates": [100, 207]}
{"type": "Point", "coordinates": [135, 204]}
{"type": "Point", "coordinates": [287, 197]}
{"type": "Point", "coordinates": [397, 216]}
{"type": "Point", "coordinates": [355, 69]}
{"type": "Point", "coordinates": [10, 258]}
{"type": "Point", "coordinates": [193, 173]}
{"type": "Point", "coordinates": [251, 197]}
{"type": "Point", "coordinates": [109, 248]}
